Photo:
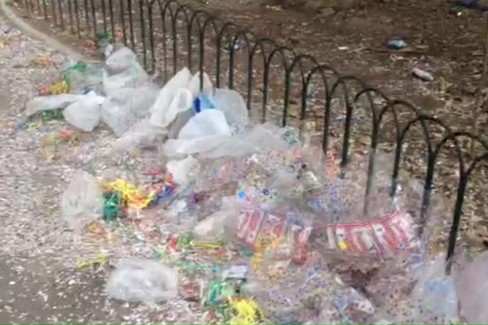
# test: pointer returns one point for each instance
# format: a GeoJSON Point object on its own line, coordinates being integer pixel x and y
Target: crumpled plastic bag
{"type": "Point", "coordinates": [47, 103]}
{"type": "Point", "coordinates": [85, 113]}
{"type": "Point", "coordinates": [162, 104]}
{"type": "Point", "coordinates": [216, 226]}
{"type": "Point", "coordinates": [142, 135]}
{"type": "Point", "coordinates": [133, 77]}
{"type": "Point", "coordinates": [182, 101]}
{"type": "Point", "coordinates": [82, 199]}
{"type": "Point", "coordinates": [261, 138]}
{"type": "Point", "coordinates": [181, 169]}
{"type": "Point", "coordinates": [120, 60]}
{"type": "Point", "coordinates": [122, 70]}
{"type": "Point", "coordinates": [436, 294]}
{"type": "Point", "coordinates": [232, 104]}
{"type": "Point", "coordinates": [126, 106]}
{"type": "Point", "coordinates": [137, 280]}
{"type": "Point", "coordinates": [472, 288]}
{"type": "Point", "coordinates": [203, 132]}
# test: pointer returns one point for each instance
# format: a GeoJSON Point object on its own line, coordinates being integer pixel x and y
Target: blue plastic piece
{"type": "Point", "coordinates": [203, 102]}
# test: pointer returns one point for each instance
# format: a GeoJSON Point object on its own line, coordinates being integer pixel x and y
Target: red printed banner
{"type": "Point", "coordinates": [388, 235]}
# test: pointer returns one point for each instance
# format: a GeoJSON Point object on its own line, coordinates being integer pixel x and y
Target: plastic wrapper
{"type": "Point", "coordinates": [84, 114]}
{"type": "Point", "coordinates": [142, 281]}
{"type": "Point", "coordinates": [83, 199]}
{"type": "Point", "coordinates": [166, 96]}
{"type": "Point", "coordinates": [124, 107]}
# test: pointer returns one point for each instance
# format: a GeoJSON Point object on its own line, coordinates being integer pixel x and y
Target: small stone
{"type": "Point", "coordinates": [327, 12]}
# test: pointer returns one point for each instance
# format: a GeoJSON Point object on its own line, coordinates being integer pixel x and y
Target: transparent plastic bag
{"type": "Point", "coordinates": [473, 290]}
{"type": "Point", "coordinates": [214, 227]}
{"type": "Point", "coordinates": [133, 77]}
{"type": "Point", "coordinates": [181, 169]}
{"type": "Point", "coordinates": [126, 106]}
{"type": "Point", "coordinates": [141, 135]}
{"type": "Point", "coordinates": [120, 60]}
{"type": "Point", "coordinates": [83, 199]}
{"type": "Point", "coordinates": [166, 95]}
{"type": "Point", "coordinates": [47, 103]}
{"type": "Point", "coordinates": [203, 132]}
{"type": "Point", "coordinates": [232, 104]}
{"type": "Point", "coordinates": [148, 281]}
{"type": "Point", "coordinates": [85, 113]}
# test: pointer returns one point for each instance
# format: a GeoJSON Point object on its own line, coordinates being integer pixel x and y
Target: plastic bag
{"type": "Point", "coordinates": [194, 85]}
{"type": "Point", "coordinates": [82, 199]}
{"type": "Point", "coordinates": [436, 295]}
{"type": "Point", "coordinates": [146, 281]}
{"type": "Point", "coordinates": [125, 106]}
{"type": "Point", "coordinates": [141, 135]}
{"type": "Point", "coordinates": [232, 104]}
{"type": "Point", "coordinates": [87, 78]}
{"type": "Point", "coordinates": [203, 132]}
{"type": "Point", "coordinates": [182, 101]}
{"type": "Point", "coordinates": [180, 169]}
{"type": "Point", "coordinates": [261, 138]}
{"type": "Point", "coordinates": [120, 60]}
{"type": "Point", "coordinates": [133, 77]}
{"type": "Point", "coordinates": [215, 226]}
{"type": "Point", "coordinates": [46, 103]}
{"type": "Point", "coordinates": [472, 289]}
{"type": "Point", "coordinates": [85, 113]}
{"type": "Point", "coordinates": [166, 95]}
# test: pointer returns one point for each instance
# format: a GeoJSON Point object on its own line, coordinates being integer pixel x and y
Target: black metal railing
{"type": "Point", "coordinates": [279, 83]}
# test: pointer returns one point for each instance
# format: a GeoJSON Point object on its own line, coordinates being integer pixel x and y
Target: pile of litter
{"type": "Point", "coordinates": [251, 222]}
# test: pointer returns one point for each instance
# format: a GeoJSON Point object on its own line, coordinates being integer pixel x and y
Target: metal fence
{"type": "Point", "coordinates": [276, 82]}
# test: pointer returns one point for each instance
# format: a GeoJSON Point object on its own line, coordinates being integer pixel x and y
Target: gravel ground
{"type": "Point", "coordinates": [38, 279]}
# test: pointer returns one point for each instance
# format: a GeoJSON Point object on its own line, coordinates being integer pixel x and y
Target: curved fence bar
{"type": "Point", "coordinates": [277, 83]}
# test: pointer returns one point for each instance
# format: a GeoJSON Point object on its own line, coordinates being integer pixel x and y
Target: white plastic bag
{"type": "Point", "coordinates": [124, 107]}
{"type": "Point", "coordinates": [182, 101]}
{"type": "Point", "coordinates": [47, 103]}
{"type": "Point", "coordinates": [181, 169]}
{"type": "Point", "coordinates": [84, 114]}
{"type": "Point", "coordinates": [120, 60]}
{"type": "Point", "coordinates": [83, 199]}
{"type": "Point", "coordinates": [166, 95]}
{"type": "Point", "coordinates": [472, 286]}
{"type": "Point", "coordinates": [194, 85]}
{"type": "Point", "coordinates": [232, 104]}
{"type": "Point", "coordinates": [203, 132]}
{"type": "Point", "coordinates": [137, 280]}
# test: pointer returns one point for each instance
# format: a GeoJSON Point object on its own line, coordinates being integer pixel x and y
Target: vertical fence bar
{"type": "Point", "coordinates": [104, 13]}
{"type": "Point", "coordinates": [53, 11]}
{"type": "Point", "coordinates": [87, 14]}
{"type": "Point", "coordinates": [122, 20]}
{"type": "Point", "coordinates": [112, 22]}
{"type": "Point", "coordinates": [77, 18]}
{"type": "Point", "coordinates": [61, 14]}
{"type": "Point", "coordinates": [71, 21]}
{"type": "Point", "coordinates": [131, 24]}
{"type": "Point", "coordinates": [94, 17]}
{"type": "Point", "coordinates": [44, 6]}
